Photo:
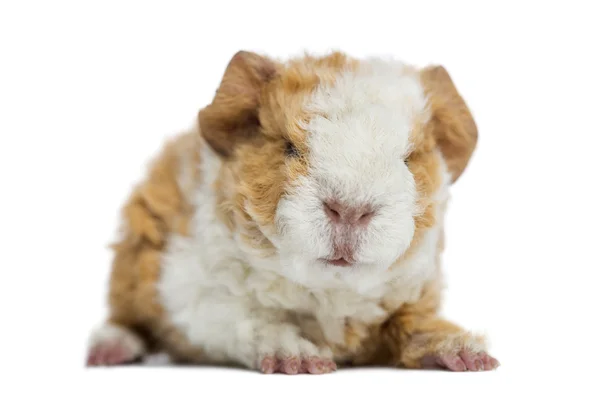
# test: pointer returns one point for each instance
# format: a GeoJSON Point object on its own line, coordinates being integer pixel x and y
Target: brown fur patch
{"type": "Point", "coordinates": [451, 123]}
{"type": "Point", "coordinates": [425, 165]}
{"type": "Point", "coordinates": [159, 206]}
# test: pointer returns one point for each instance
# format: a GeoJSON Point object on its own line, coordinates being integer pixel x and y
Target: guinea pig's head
{"type": "Point", "coordinates": [333, 163]}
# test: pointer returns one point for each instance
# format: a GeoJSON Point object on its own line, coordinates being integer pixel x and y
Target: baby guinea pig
{"type": "Point", "coordinates": [297, 226]}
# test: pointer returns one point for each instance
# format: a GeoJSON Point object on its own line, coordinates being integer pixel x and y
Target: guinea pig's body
{"type": "Point", "coordinates": [298, 225]}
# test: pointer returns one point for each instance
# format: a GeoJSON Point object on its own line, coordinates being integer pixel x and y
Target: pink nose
{"type": "Point", "coordinates": [347, 215]}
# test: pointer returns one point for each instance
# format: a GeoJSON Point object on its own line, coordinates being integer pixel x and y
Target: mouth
{"type": "Point", "coordinates": [338, 262]}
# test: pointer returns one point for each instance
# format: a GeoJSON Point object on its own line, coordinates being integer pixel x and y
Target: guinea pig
{"type": "Point", "coordinates": [297, 226]}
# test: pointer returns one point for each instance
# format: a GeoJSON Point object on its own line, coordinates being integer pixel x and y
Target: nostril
{"type": "Point", "coordinates": [332, 211]}
{"type": "Point", "coordinates": [365, 217]}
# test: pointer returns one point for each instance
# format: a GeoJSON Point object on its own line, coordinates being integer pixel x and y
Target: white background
{"type": "Point", "coordinates": [90, 90]}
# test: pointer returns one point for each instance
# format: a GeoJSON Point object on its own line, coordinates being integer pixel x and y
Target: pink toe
{"type": "Point", "coordinates": [332, 365]}
{"type": "Point", "coordinates": [485, 359]}
{"type": "Point", "coordinates": [316, 366]}
{"type": "Point", "coordinates": [268, 365]}
{"type": "Point", "coordinates": [108, 356]}
{"type": "Point", "coordinates": [112, 355]}
{"type": "Point", "coordinates": [471, 360]}
{"type": "Point", "coordinates": [304, 366]}
{"type": "Point", "coordinates": [313, 365]}
{"type": "Point", "coordinates": [91, 360]}
{"type": "Point", "coordinates": [101, 353]}
{"type": "Point", "coordinates": [291, 365]}
{"type": "Point", "coordinates": [479, 365]}
{"type": "Point", "coordinates": [489, 363]}
{"type": "Point", "coordinates": [452, 362]}
{"type": "Point", "coordinates": [494, 362]}
{"type": "Point", "coordinates": [329, 366]}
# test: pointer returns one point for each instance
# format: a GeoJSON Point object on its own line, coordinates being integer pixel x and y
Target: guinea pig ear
{"type": "Point", "coordinates": [451, 121]}
{"type": "Point", "coordinates": [233, 114]}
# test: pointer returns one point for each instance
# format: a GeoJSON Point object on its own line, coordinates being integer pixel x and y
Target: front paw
{"type": "Point", "coordinates": [464, 360]}
{"type": "Point", "coordinates": [286, 351]}
{"type": "Point", "coordinates": [296, 364]}
{"type": "Point", "coordinates": [459, 353]}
